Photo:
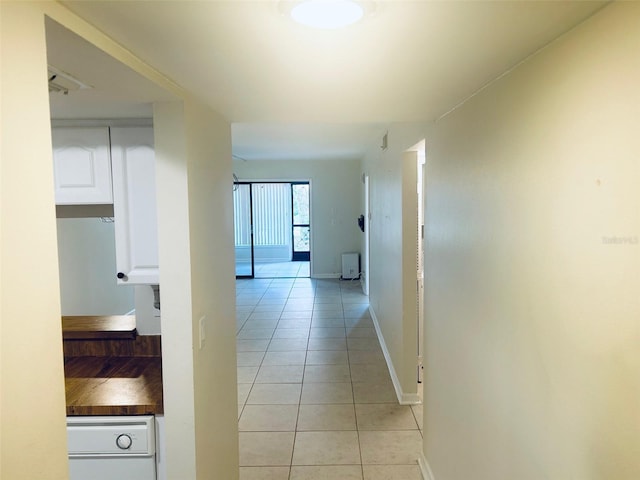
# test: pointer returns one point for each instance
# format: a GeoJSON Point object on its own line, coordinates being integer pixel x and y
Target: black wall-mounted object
{"type": "Point", "coordinates": [361, 222]}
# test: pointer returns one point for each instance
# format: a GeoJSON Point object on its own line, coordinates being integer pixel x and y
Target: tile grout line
{"type": "Point", "coordinates": [353, 393]}
{"type": "Point", "coordinates": [295, 432]}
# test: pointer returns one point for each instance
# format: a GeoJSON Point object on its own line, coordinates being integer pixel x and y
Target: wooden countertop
{"type": "Point", "coordinates": [113, 385]}
{"type": "Point", "coordinates": [99, 327]}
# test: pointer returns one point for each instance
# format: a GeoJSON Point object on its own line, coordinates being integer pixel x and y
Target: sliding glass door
{"type": "Point", "coordinates": [272, 229]}
{"type": "Point", "coordinates": [300, 225]}
{"type": "Point", "coordinates": [243, 231]}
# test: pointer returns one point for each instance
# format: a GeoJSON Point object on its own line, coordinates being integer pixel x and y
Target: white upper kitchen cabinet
{"type": "Point", "coordinates": [134, 205]}
{"type": "Point", "coordinates": [82, 166]}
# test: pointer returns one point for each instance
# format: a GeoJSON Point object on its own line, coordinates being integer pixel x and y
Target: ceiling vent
{"type": "Point", "coordinates": [63, 82]}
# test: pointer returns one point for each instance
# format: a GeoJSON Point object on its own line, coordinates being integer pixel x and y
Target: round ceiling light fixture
{"type": "Point", "coordinates": [327, 14]}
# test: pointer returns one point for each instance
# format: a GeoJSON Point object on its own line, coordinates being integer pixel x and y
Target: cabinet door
{"type": "Point", "coordinates": [134, 205]}
{"type": "Point", "coordinates": [82, 166]}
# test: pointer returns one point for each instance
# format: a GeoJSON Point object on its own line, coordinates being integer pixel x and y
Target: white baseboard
{"type": "Point", "coordinates": [325, 275]}
{"type": "Point", "coordinates": [403, 398]}
{"type": "Point", "coordinates": [410, 399]}
{"type": "Point", "coordinates": [425, 469]}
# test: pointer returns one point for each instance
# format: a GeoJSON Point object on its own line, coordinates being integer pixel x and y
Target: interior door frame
{"type": "Point", "coordinates": [422, 186]}
{"type": "Point", "coordinates": [367, 238]}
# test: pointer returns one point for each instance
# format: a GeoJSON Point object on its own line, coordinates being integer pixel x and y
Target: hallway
{"type": "Point", "coordinates": [315, 400]}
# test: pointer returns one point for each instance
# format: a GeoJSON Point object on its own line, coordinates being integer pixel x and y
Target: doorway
{"type": "Point", "coordinates": [367, 218]}
{"type": "Point", "coordinates": [420, 263]}
{"type": "Point", "coordinates": [272, 229]}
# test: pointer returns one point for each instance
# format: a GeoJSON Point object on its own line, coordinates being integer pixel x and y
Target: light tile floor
{"type": "Point", "coordinates": [315, 400]}
{"type": "Point", "coordinates": [275, 270]}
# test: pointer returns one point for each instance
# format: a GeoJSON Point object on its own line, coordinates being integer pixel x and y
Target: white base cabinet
{"type": "Point", "coordinates": [114, 447]}
{"type": "Point", "coordinates": [82, 166]}
{"type": "Point", "coordinates": [134, 205]}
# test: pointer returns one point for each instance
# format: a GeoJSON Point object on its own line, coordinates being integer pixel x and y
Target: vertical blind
{"type": "Point", "coordinates": [242, 215]}
{"type": "Point", "coordinates": [271, 214]}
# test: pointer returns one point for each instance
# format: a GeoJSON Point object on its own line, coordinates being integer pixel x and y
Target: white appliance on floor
{"type": "Point", "coordinates": [350, 266]}
{"type": "Point", "coordinates": [108, 448]}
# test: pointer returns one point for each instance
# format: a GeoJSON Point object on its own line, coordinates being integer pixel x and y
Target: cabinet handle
{"type": "Point", "coordinates": [121, 276]}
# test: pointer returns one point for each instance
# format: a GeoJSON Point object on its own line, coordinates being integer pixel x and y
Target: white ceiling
{"type": "Point", "coordinates": [295, 92]}
{"type": "Point", "coordinates": [116, 90]}
{"type": "Point", "coordinates": [304, 141]}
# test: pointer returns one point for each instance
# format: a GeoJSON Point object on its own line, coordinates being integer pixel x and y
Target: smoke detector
{"type": "Point", "coordinates": [63, 82]}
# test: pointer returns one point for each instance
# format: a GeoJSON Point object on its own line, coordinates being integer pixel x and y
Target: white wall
{"type": "Point", "coordinates": [195, 227]}
{"type": "Point", "coordinates": [392, 229]}
{"type": "Point", "coordinates": [32, 406]}
{"type": "Point", "coordinates": [213, 290]}
{"type": "Point", "coordinates": [32, 431]}
{"type": "Point", "coordinates": [335, 204]}
{"type": "Point", "coordinates": [533, 311]}
{"type": "Point", "coordinates": [148, 318]}
{"type": "Point", "coordinates": [87, 262]}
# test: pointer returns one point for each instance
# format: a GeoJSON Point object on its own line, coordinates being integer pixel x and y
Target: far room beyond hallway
{"type": "Point", "coordinates": [334, 205]}
{"type": "Point", "coordinates": [272, 229]}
